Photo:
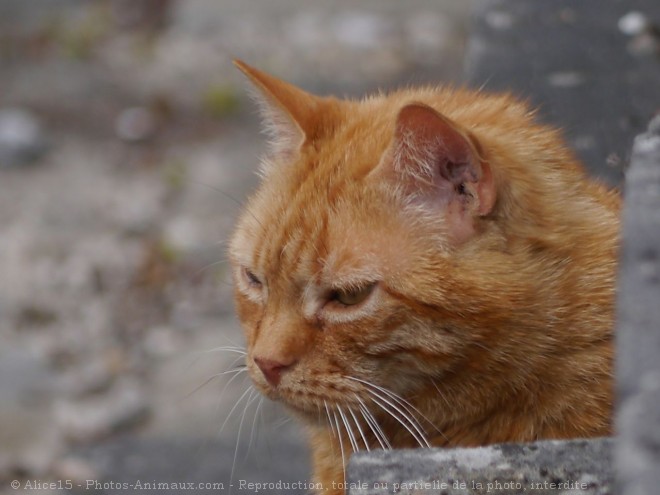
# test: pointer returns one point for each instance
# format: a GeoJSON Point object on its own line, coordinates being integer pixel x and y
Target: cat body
{"type": "Point", "coordinates": [425, 267]}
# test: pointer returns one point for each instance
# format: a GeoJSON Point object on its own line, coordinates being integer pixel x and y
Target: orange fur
{"type": "Point", "coordinates": [485, 305]}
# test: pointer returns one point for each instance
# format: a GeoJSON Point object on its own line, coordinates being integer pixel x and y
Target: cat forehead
{"type": "Point", "coordinates": [341, 244]}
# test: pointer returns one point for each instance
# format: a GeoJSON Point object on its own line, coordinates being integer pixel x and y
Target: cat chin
{"type": "Point", "coordinates": [301, 413]}
{"type": "Point", "coordinates": [312, 416]}
{"type": "Point", "coordinates": [305, 411]}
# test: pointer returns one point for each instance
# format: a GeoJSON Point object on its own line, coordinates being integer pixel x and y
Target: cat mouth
{"type": "Point", "coordinates": [309, 400]}
{"type": "Point", "coordinates": [355, 406]}
{"type": "Point", "coordinates": [362, 420]}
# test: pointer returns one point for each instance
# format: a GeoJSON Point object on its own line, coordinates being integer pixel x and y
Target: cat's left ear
{"type": "Point", "coordinates": [439, 165]}
{"type": "Point", "coordinates": [289, 112]}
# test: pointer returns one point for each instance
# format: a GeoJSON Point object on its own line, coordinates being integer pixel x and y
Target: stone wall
{"type": "Point", "coordinates": [638, 373]}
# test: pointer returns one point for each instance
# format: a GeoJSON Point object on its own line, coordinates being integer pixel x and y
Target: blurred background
{"type": "Point", "coordinates": [127, 145]}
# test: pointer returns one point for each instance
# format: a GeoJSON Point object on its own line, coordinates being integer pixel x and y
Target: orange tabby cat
{"type": "Point", "coordinates": [426, 267]}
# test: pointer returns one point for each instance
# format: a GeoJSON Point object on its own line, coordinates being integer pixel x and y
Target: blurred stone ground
{"type": "Point", "coordinates": [126, 147]}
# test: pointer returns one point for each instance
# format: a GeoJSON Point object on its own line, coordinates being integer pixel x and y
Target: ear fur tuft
{"type": "Point", "coordinates": [288, 111]}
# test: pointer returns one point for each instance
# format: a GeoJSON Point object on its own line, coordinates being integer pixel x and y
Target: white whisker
{"type": "Point", "coordinates": [349, 430]}
{"type": "Point", "coordinates": [281, 422]}
{"type": "Point", "coordinates": [357, 423]}
{"type": "Point", "coordinates": [210, 379]}
{"type": "Point", "coordinates": [327, 412]}
{"type": "Point", "coordinates": [419, 437]}
{"type": "Point", "coordinates": [373, 425]}
{"type": "Point", "coordinates": [254, 425]}
{"type": "Point", "coordinates": [210, 265]}
{"type": "Point", "coordinates": [410, 409]}
{"type": "Point", "coordinates": [240, 399]}
{"type": "Point", "coordinates": [236, 349]}
{"type": "Point", "coordinates": [407, 405]}
{"type": "Point", "coordinates": [236, 373]}
{"type": "Point", "coordinates": [251, 398]}
{"type": "Point", "coordinates": [442, 396]}
{"type": "Point", "coordinates": [341, 446]}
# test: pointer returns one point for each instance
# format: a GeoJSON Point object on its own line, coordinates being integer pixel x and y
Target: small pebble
{"type": "Point", "coordinates": [135, 124]}
{"type": "Point", "coordinates": [633, 23]}
{"type": "Point", "coordinates": [499, 20]}
{"type": "Point", "coordinates": [567, 79]}
{"type": "Point", "coordinates": [21, 137]}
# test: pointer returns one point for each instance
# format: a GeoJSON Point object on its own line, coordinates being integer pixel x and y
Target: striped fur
{"type": "Point", "coordinates": [490, 303]}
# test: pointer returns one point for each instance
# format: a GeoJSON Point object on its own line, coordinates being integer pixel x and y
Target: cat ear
{"type": "Point", "coordinates": [288, 111]}
{"type": "Point", "coordinates": [439, 164]}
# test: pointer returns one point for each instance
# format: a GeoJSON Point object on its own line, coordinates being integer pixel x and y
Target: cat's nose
{"type": "Point", "coordinates": [272, 369]}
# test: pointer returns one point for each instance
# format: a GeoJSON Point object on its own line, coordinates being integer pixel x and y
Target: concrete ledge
{"type": "Point", "coordinates": [638, 344]}
{"type": "Point", "coordinates": [548, 467]}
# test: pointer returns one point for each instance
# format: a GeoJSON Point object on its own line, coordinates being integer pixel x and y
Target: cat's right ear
{"type": "Point", "coordinates": [288, 112]}
{"type": "Point", "coordinates": [438, 165]}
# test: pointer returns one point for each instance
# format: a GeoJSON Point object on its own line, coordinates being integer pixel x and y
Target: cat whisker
{"type": "Point", "coordinates": [332, 427]}
{"type": "Point", "coordinates": [410, 423]}
{"type": "Point", "coordinates": [236, 371]}
{"type": "Point", "coordinates": [251, 398]}
{"type": "Point", "coordinates": [410, 408]}
{"type": "Point", "coordinates": [197, 354]}
{"type": "Point", "coordinates": [230, 197]}
{"type": "Point", "coordinates": [341, 445]}
{"type": "Point", "coordinates": [208, 266]}
{"type": "Point", "coordinates": [327, 412]}
{"type": "Point", "coordinates": [254, 425]}
{"type": "Point", "coordinates": [357, 423]}
{"type": "Point", "coordinates": [281, 422]}
{"type": "Point", "coordinates": [349, 430]}
{"type": "Point", "coordinates": [240, 351]}
{"type": "Point", "coordinates": [373, 426]}
{"type": "Point", "coordinates": [225, 194]}
{"type": "Point", "coordinates": [240, 399]}
{"type": "Point", "coordinates": [226, 348]}
{"type": "Point", "coordinates": [397, 398]}
{"type": "Point", "coordinates": [389, 407]}
{"type": "Point", "coordinates": [442, 396]}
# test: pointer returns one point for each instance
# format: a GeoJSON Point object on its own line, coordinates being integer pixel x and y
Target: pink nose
{"type": "Point", "coordinates": [272, 370]}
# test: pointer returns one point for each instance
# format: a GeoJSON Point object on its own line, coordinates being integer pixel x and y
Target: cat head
{"type": "Point", "coordinates": [353, 262]}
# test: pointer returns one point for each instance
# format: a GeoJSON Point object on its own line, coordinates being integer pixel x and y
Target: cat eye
{"type": "Point", "coordinates": [352, 297]}
{"type": "Point", "coordinates": [252, 279]}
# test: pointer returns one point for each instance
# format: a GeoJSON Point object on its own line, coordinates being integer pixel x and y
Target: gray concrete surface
{"type": "Point", "coordinates": [546, 468]}
{"type": "Point", "coordinates": [638, 370]}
